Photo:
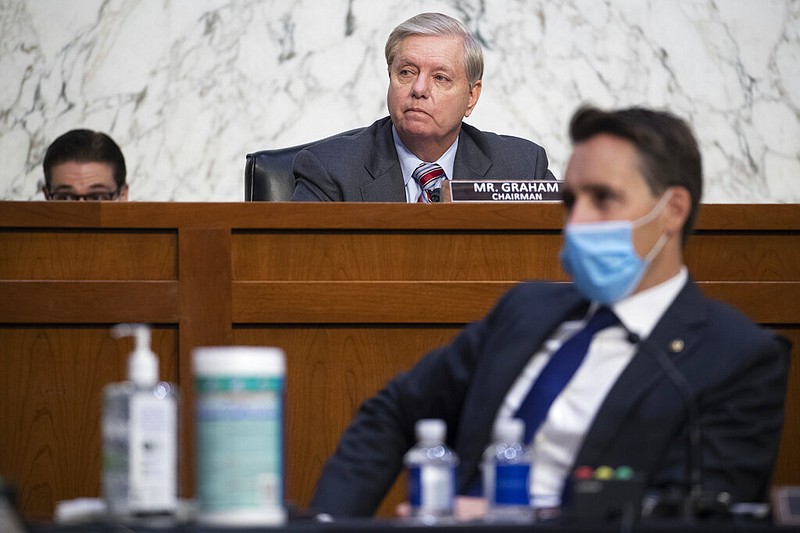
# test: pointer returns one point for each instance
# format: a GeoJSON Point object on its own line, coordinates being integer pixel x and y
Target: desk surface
{"type": "Point", "coordinates": [339, 286]}
{"type": "Point", "coordinates": [396, 526]}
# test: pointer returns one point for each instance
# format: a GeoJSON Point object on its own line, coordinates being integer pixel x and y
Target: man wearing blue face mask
{"type": "Point", "coordinates": [628, 365]}
{"type": "Point", "coordinates": [601, 258]}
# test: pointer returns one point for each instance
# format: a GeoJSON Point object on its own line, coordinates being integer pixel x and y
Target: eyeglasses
{"type": "Point", "coordinates": [98, 196]}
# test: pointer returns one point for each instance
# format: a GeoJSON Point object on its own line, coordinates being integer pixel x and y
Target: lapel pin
{"type": "Point", "coordinates": [676, 346]}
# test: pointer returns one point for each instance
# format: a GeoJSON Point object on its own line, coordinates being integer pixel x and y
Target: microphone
{"type": "Point", "coordinates": [436, 195]}
{"type": "Point", "coordinates": [696, 502]}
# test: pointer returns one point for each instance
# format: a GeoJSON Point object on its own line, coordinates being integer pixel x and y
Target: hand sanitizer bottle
{"type": "Point", "coordinates": [431, 473]}
{"type": "Point", "coordinates": [506, 473]}
{"type": "Point", "coordinates": [139, 428]}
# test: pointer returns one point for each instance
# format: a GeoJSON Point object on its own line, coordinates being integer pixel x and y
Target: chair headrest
{"type": "Point", "coordinates": [268, 173]}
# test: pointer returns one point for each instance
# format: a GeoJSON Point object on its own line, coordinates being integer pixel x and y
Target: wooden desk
{"type": "Point", "coordinates": [347, 290]}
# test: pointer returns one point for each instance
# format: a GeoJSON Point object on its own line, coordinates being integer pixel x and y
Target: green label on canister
{"type": "Point", "coordinates": [239, 443]}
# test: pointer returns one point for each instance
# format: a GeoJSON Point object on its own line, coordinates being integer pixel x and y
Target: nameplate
{"type": "Point", "coordinates": [502, 191]}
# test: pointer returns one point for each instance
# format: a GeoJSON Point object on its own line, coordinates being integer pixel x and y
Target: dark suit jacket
{"type": "Point", "coordinates": [736, 372]}
{"type": "Point", "coordinates": [364, 167]}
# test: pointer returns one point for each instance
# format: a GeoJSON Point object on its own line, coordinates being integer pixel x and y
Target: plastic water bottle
{"type": "Point", "coordinates": [506, 473]}
{"type": "Point", "coordinates": [431, 473]}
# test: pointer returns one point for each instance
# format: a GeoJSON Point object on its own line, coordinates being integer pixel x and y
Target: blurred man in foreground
{"type": "Point", "coordinates": [667, 364]}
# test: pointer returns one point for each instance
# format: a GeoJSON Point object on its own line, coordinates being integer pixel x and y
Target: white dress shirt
{"type": "Point", "coordinates": [559, 438]}
{"type": "Point", "coordinates": [409, 162]}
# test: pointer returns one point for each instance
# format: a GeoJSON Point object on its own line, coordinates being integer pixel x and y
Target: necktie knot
{"type": "Point", "coordinates": [603, 318]}
{"type": "Point", "coordinates": [429, 177]}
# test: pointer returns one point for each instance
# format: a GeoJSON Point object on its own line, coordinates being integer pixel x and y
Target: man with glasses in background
{"type": "Point", "coordinates": [84, 165]}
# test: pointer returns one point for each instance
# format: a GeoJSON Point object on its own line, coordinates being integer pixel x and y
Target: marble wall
{"type": "Point", "coordinates": [188, 87]}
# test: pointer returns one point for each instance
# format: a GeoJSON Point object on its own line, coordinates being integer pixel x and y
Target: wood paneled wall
{"type": "Point", "coordinates": [352, 292]}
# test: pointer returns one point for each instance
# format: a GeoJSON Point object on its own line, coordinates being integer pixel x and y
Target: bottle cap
{"type": "Point", "coordinates": [509, 430]}
{"type": "Point", "coordinates": [241, 361]}
{"type": "Point", "coordinates": [142, 362]}
{"type": "Point", "coordinates": [431, 430]}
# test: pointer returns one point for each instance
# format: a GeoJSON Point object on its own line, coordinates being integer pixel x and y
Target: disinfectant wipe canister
{"type": "Point", "coordinates": [239, 428]}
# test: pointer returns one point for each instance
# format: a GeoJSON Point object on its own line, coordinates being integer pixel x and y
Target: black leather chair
{"type": "Point", "coordinates": [268, 173]}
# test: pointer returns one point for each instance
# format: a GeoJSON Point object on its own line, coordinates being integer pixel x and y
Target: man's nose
{"type": "Point", "coordinates": [421, 87]}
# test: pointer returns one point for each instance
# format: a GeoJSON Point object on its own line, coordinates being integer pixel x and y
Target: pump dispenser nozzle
{"type": "Point", "coordinates": [142, 362]}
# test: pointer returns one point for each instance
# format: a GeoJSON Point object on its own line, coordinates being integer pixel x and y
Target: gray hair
{"type": "Point", "coordinates": [439, 25]}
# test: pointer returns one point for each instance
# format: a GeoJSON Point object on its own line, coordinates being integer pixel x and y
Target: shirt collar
{"type": "Point", "coordinates": [409, 162]}
{"type": "Point", "coordinates": [641, 312]}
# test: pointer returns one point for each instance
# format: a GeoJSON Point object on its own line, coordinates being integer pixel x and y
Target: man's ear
{"type": "Point", "coordinates": [677, 209]}
{"type": "Point", "coordinates": [474, 94]}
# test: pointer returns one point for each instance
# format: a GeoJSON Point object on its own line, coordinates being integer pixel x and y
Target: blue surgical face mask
{"type": "Point", "coordinates": [601, 259]}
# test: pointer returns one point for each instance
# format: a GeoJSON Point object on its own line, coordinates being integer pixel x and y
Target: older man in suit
{"type": "Point", "coordinates": [669, 365]}
{"type": "Point", "coordinates": [435, 70]}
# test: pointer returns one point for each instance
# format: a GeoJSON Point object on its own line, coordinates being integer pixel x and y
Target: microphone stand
{"type": "Point", "coordinates": [696, 502]}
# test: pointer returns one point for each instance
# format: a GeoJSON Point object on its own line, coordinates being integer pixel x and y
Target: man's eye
{"type": "Point", "coordinates": [99, 196]}
{"type": "Point", "coordinates": [602, 197]}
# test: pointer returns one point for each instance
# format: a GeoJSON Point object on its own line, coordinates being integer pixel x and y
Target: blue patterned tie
{"type": "Point", "coordinates": [559, 370]}
{"type": "Point", "coordinates": [429, 177]}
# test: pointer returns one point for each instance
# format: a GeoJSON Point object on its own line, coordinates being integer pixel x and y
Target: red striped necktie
{"type": "Point", "coordinates": [429, 177]}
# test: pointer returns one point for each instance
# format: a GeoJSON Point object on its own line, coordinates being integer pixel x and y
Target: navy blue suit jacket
{"type": "Point", "coordinates": [736, 371]}
{"type": "Point", "coordinates": [364, 167]}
